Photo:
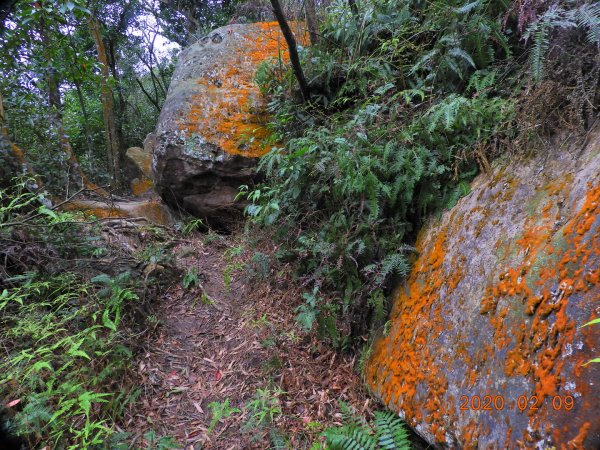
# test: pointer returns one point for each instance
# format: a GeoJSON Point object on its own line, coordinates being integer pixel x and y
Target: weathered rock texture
{"type": "Point", "coordinates": [151, 210]}
{"type": "Point", "coordinates": [142, 158]}
{"type": "Point", "coordinates": [493, 307]}
{"type": "Point", "coordinates": [212, 126]}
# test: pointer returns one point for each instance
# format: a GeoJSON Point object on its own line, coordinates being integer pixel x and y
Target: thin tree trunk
{"type": "Point", "coordinates": [3, 119]}
{"type": "Point", "coordinates": [122, 104]}
{"type": "Point", "coordinates": [311, 22]}
{"type": "Point", "coordinates": [86, 117]}
{"type": "Point", "coordinates": [108, 110]}
{"type": "Point", "coordinates": [148, 96]}
{"type": "Point", "coordinates": [15, 151]}
{"type": "Point", "coordinates": [291, 42]}
{"type": "Point", "coordinates": [76, 175]}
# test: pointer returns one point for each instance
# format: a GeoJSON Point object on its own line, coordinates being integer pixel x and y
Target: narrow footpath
{"type": "Point", "coordinates": [226, 343]}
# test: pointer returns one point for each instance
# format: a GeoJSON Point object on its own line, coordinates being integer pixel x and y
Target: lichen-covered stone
{"type": "Point", "coordinates": [151, 209]}
{"type": "Point", "coordinates": [493, 307]}
{"type": "Point", "coordinates": [142, 158]}
{"type": "Point", "coordinates": [212, 126]}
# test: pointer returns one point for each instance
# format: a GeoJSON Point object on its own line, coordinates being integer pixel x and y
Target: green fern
{"type": "Point", "coordinates": [391, 434]}
{"type": "Point", "coordinates": [586, 17]}
{"type": "Point", "coordinates": [278, 440]}
{"type": "Point", "coordinates": [386, 432]}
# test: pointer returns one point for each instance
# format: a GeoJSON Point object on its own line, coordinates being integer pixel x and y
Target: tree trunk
{"type": "Point", "coordinates": [3, 120]}
{"type": "Point", "coordinates": [108, 109]}
{"type": "Point", "coordinates": [122, 104]}
{"type": "Point", "coordinates": [311, 22]}
{"type": "Point", "coordinates": [76, 175]}
{"type": "Point", "coordinates": [16, 163]}
{"type": "Point", "coordinates": [291, 42]}
{"type": "Point", "coordinates": [86, 118]}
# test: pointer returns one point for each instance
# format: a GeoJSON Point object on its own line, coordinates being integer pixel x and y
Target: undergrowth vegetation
{"type": "Point", "coordinates": [409, 101]}
{"type": "Point", "coordinates": [65, 327]}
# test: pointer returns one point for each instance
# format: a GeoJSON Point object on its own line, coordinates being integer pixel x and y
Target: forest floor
{"type": "Point", "coordinates": [228, 346]}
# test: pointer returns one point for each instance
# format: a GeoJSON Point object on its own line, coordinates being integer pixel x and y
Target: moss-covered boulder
{"type": "Point", "coordinates": [484, 348]}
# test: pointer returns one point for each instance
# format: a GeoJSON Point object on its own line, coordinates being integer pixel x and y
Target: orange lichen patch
{"type": "Point", "coordinates": [578, 441]}
{"type": "Point", "coordinates": [18, 153]}
{"type": "Point", "coordinates": [401, 361]}
{"type": "Point", "coordinates": [141, 186]}
{"type": "Point", "coordinates": [529, 316]}
{"type": "Point", "coordinates": [152, 210]}
{"type": "Point", "coordinates": [228, 110]}
{"type": "Point", "coordinates": [536, 352]}
{"type": "Point", "coordinates": [94, 209]}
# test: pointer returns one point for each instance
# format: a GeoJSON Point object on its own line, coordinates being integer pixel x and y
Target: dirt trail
{"type": "Point", "coordinates": [205, 351]}
{"type": "Point", "coordinates": [228, 338]}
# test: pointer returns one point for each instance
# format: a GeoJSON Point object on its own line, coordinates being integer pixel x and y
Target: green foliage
{"type": "Point", "coordinates": [263, 409]}
{"type": "Point", "coordinates": [63, 349]}
{"type": "Point", "coordinates": [191, 278]}
{"type": "Point", "coordinates": [52, 46]}
{"type": "Point", "coordinates": [61, 333]}
{"type": "Point", "coordinates": [385, 432]}
{"type": "Point", "coordinates": [585, 17]}
{"type": "Point", "coordinates": [220, 411]}
{"type": "Point", "coordinates": [191, 225]}
{"type": "Point", "coordinates": [159, 443]}
{"type": "Point", "coordinates": [355, 188]}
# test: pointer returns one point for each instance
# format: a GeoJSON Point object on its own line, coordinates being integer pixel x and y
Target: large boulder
{"type": "Point", "coordinates": [211, 129]}
{"type": "Point", "coordinates": [484, 348]}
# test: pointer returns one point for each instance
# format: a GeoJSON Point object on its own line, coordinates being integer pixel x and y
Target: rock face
{"type": "Point", "coordinates": [151, 210]}
{"type": "Point", "coordinates": [485, 349]}
{"type": "Point", "coordinates": [142, 158]}
{"type": "Point", "coordinates": [212, 126]}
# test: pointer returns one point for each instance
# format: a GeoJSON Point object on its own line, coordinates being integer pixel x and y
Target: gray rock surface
{"type": "Point", "coordinates": [212, 125]}
{"type": "Point", "coordinates": [485, 348]}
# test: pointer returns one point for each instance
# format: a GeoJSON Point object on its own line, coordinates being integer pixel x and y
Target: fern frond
{"type": "Point", "coordinates": [390, 431]}
{"type": "Point", "coordinates": [468, 7]}
{"type": "Point", "coordinates": [350, 438]}
{"type": "Point", "coordinates": [460, 53]}
{"type": "Point", "coordinates": [278, 441]}
{"type": "Point", "coordinates": [588, 16]}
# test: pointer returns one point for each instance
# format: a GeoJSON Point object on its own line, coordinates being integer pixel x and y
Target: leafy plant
{"type": "Point", "coordinates": [405, 110]}
{"type": "Point", "coordinates": [585, 17]}
{"type": "Point", "coordinates": [191, 225]}
{"type": "Point", "coordinates": [191, 278]}
{"type": "Point", "coordinates": [385, 432]}
{"type": "Point", "coordinates": [220, 411]}
{"type": "Point", "coordinates": [264, 408]}
{"type": "Point", "coordinates": [59, 333]}
{"type": "Point", "coordinates": [308, 311]}
{"type": "Point", "coordinates": [159, 443]}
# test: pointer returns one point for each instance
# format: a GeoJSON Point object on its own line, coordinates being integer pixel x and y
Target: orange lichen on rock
{"type": "Point", "coordinates": [152, 210]}
{"type": "Point", "coordinates": [531, 288]}
{"type": "Point", "coordinates": [228, 110]}
{"type": "Point", "coordinates": [141, 186]}
{"type": "Point", "coordinates": [396, 378]}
